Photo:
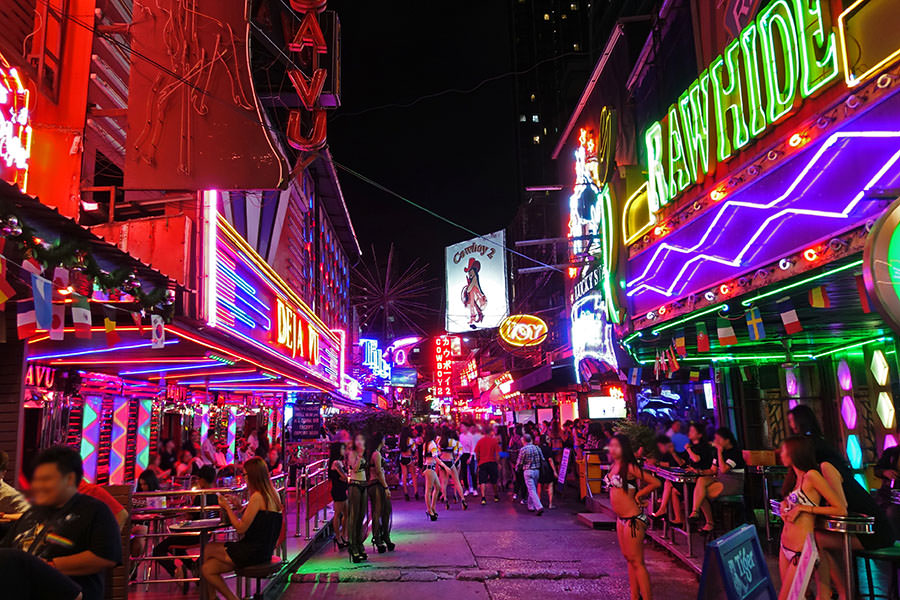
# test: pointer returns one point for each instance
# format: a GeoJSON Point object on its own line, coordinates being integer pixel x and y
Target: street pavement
{"type": "Point", "coordinates": [495, 552]}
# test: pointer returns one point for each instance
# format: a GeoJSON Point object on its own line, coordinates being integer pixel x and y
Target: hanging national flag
{"type": "Point", "coordinates": [656, 367]}
{"type": "Point", "coordinates": [863, 296]}
{"type": "Point", "coordinates": [680, 343]}
{"type": "Point", "coordinates": [755, 325]}
{"type": "Point", "coordinates": [745, 374]}
{"type": "Point", "coordinates": [109, 325]}
{"type": "Point", "coordinates": [695, 375]}
{"type": "Point", "coordinates": [634, 376]}
{"type": "Point", "coordinates": [6, 290]}
{"type": "Point", "coordinates": [57, 326]}
{"type": "Point", "coordinates": [138, 318]}
{"type": "Point", "coordinates": [725, 332]}
{"type": "Point", "coordinates": [818, 297]}
{"type": "Point", "coordinates": [671, 359]}
{"type": "Point", "coordinates": [43, 301]}
{"type": "Point", "coordinates": [25, 318]}
{"type": "Point", "coordinates": [789, 316]}
{"type": "Point", "coordinates": [81, 283]}
{"type": "Point", "coordinates": [158, 331]}
{"type": "Point", "coordinates": [31, 265]}
{"type": "Point", "coordinates": [81, 316]}
{"type": "Point", "coordinates": [61, 281]}
{"type": "Point", "coordinates": [702, 338]}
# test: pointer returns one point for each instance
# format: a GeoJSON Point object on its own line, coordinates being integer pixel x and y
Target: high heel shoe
{"type": "Point", "coordinates": [356, 558]}
{"type": "Point", "coordinates": [465, 504]}
{"type": "Point", "coordinates": [433, 516]}
{"type": "Point", "coordinates": [407, 496]}
{"type": "Point", "coordinates": [390, 545]}
{"type": "Point", "coordinates": [381, 548]}
{"type": "Point", "coordinates": [447, 504]}
{"type": "Point", "coordinates": [341, 544]}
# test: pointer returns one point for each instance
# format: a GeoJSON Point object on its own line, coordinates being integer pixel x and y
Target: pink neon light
{"type": "Point", "coordinates": [848, 412]}
{"type": "Point", "coordinates": [119, 444]}
{"type": "Point", "coordinates": [889, 441]}
{"type": "Point", "coordinates": [736, 261]}
{"type": "Point", "coordinates": [845, 379]}
{"type": "Point", "coordinates": [210, 247]}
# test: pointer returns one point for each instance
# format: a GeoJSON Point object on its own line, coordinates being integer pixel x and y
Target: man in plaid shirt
{"type": "Point", "coordinates": [530, 458]}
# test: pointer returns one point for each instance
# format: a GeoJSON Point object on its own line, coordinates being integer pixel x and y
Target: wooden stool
{"type": "Point", "coordinates": [257, 572]}
{"type": "Point", "coordinates": [890, 555]}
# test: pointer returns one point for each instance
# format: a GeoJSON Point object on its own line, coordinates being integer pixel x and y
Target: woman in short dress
{"type": "Point", "coordinates": [724, 478]}
{"type": "Point", "coordinates": [337, 474]}
{"type": "Point", "coordinates": [259, 525]}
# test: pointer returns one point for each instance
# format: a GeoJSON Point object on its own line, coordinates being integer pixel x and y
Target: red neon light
{"type": "Point", "coordinates": [15, 127]}
{"type": "Point", "coordinates": [724, 289]}
{"type": "Point", "coordinates": [811, 255]}
{"type": "Point", "coordinates": [178, 376]}
{"type": "Point", "coordinates": [442, 366]}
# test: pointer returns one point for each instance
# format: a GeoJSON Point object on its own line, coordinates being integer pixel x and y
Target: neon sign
{"type": "Point", "coordinates": [295, 334]}
{"type": "Point", "coordinates": [443, 366]}
{"type": "Point", "coordinates": [786, 54]}
{"type": "Point", "coordinates": [523, 330]}
{"type": "Point", "coordinates": [15, 127]}
{"type": "Point", "coordinates": [591, 336]}
{"type": "Point", "coordinates": [373, 358]}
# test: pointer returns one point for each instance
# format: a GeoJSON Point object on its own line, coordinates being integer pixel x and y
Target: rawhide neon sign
{"type": "Point", "coordinates": [788, 53]}
{"type": "Point", "coordinates": [15, 127]}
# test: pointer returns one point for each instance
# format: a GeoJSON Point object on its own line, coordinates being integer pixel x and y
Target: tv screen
{"type": "Point", "coordinates": [606, 407]}
{"type": "Point", "coordinates": [401, 377]}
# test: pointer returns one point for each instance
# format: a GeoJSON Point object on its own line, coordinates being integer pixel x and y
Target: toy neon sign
{"type": "Point", "coordinates": [15, 127]}
{"type": "Point", "coordinates": [523, 330]}
{"type": "Point", "coordinates": [295, 334]}
{"type": "Point", "coordinates": [786, 54]}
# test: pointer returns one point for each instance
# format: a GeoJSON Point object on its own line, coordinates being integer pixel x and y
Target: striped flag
{"type": "Point", "coordinates": [695, 375]}
{"type": "Point", "coordinates": [6, 290]}
{"type": "Point", "coordinates": [702, 338]}
{"type": "Point", "coordinates": [680, 343]}
{"type": "Point", "coordinates": [863, 296]}
{"type": "Point", "coordinates": [789, 316]}
{"type": "Point", "coordinates": [81, 316]}
{"type": "Point", "coordinates": [109, 325]}
{"type": "Point", "coordinates": [818, 297]}
{"type": "Point", "coordinates": [671, 359]}
{"type": "Point", "coordinates": [634, 376]}
{"type": "Point", "coordinates": [43, 301]}
{"type": "Point", "coordinates": [25, 321]}
{"type": "Point", "coordinates": [57, 327]}
{"type": "Point", "coordinates": [657, 366]}
{"type": "Point", "coordinates": [755, 325]}
{"type": "Point", "coordinates": [725, 332]}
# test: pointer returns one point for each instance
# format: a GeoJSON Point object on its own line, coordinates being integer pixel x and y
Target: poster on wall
{"type": "Point", "coordinates": [476, 283]}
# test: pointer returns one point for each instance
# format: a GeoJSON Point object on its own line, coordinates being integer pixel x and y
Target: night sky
{"type": "Point", "coordinates": [454, 154]}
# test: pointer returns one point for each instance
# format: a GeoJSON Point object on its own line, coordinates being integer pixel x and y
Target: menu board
{"type": "Point", "coordinates": [734, 568]}
{"type": "Point", "coordinates": [306, 422]}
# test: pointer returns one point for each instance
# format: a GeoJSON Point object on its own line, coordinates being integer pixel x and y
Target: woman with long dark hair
{"type": "Point", "coordinates": [408, 462]}
{"type": "Point", "coordinates": [836, 471]}
{"type": "Point", "coordinates": [337, 474]}
{"type": "Point", "coordinates": [450, 452]}
{"type": "Point", "coordinates": [724, 478]}
{"type": "Point", "coordinates": [356, 497]}
{"type": "Point", "coordinates": [432, 462]}
{"type": "Point", "coordinates": [379, 495]}
{"type": "Point", "coordinates": [259, 525]}
{"type": "Point", "coordinates": [801, 505]}
{"type": "Point", "coordinates": [627, 501]}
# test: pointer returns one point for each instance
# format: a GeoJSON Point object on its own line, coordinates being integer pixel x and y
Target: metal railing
{"type": "Point", "coordinates": [312, 486]}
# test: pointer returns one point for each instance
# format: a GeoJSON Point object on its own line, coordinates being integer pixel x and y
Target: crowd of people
{"type": "Point", "coordinates": [60, 538]}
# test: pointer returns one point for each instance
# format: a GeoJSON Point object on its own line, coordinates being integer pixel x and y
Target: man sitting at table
{"type": "Point", "coordinates": [175, 545]}
{"type": "Point", "coordinates": [74, 533]}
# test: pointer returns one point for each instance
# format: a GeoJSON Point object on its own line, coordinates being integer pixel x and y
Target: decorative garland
{"type": "Point", "coordinates": [72, 255]}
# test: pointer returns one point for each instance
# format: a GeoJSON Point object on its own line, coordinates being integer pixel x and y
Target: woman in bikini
{"type": "Point", "coordinates": [450, 452]}
{"type": "Point", "coordinates": [800, 507]}
{"type": "Point", "coordinates": [408, 463]}
{"type": "Point", "coordinates": [623, 479]}
{"type": "Point", "coordinates": [431, 453]}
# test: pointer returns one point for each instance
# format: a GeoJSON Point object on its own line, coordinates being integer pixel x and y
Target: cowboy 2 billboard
{"type": "Point", "coordinates": [476, 283]}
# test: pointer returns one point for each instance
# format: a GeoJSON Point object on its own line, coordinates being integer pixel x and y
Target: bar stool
{"type": "Point", "coordinates": [259, 573]}
{"type": "Point", "coordinates": [890, 555]}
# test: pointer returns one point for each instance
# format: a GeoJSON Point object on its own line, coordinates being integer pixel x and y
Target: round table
{"type": "Point", "coordinates": [848, 526]}
{"type": "Point", "coordinates": [204, 527]}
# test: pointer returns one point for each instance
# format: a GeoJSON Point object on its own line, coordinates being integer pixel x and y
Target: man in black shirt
{"type": "Point", "coordinates": [73, 533]}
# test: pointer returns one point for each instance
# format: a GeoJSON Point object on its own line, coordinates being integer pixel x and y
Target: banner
{"type": "Point", "coordinates": [476, 283]}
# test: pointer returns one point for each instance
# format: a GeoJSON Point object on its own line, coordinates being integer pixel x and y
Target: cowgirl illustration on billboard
{"type": "Point", "coordinates": [472, 295]}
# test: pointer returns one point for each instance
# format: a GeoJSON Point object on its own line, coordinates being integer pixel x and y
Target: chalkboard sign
{"type": "Point", "coordinates": [564, 466]}
{"type": "Point", "coordinates": [306, 422]}
{"type": "Point", "coordinates": [734, 567]}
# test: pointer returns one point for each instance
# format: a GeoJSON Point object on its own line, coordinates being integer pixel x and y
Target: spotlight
{"type": "Point", "coordinates": [710, 296]}
{"type": "Point", "coordinates": [811, 255]}
{"type": "Point", "coordinates": [784, 264]}
{"type": "Point", "coordinates": [661, 310]}
{"type": "Point", "coordinates": [798, 139]}
{"type": "Point", "coordinates": [716, 195]}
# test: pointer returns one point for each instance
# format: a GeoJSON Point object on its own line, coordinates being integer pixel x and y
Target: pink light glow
{"type": "Point", "coordinates": [790, 382]}
{"type": "Point", "coordinates": [844, 376]}
{"type": "Point", "coordinates": [848, 412]}
{"type": "Point", "coordinates": [889, 441]}
{"type": "Point", "coordinates": [210, 247]}
{"type": "Point", "coordinates": [792, 403]}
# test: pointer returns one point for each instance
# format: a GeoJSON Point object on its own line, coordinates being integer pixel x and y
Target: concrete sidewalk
{"type": "Point", "coordinates": [497, 551]}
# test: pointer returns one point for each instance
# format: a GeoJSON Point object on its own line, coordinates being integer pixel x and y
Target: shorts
{"type": "Point", "coordinates": [488, 473]}
{"type": "Point", "coordinates": [405, 460]}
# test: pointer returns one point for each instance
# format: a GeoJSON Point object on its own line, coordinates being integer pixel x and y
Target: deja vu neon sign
{"type": "Point", "coordinates": [295, 334]}
{"type": "Point", "coordinates": [788, 53]}
{"type": "Point", "coordinates": [15, 127]}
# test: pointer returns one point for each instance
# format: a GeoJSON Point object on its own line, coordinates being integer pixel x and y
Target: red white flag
{"type": "Point", "coordinates": [158, 331]}
{"type": "Point", "coordinates": [58, 322]}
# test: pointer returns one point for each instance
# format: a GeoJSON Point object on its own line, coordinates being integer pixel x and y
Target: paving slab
{"type": "Point", "coordinates": [443, 590]}
{"type": "Point", "coordinates": [607, 588]}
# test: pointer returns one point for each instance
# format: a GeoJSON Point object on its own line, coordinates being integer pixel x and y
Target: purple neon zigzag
{"type": "Point", "coordinates": [787, 195]}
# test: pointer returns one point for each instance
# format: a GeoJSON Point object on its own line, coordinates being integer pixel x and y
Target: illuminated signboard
{"type": "Point", "coordinates": [476, 283]}
{"type": "Point", "coordinates": [373, 359]}
{"type": "Point", "coordinates": [788, 53]}
{"type": "Point", "coordinates": [15, 127]}
{"type": "Point", "coordinates": [523, 330]}
{"type": "Point", "coordinates": [608, 407]}
{"type": "Point", "coordinates": [246, 298]}
{"type": "Point", "coordinates": [443, 366]}
{"type": "Point", "coordinates": [592, 337]}
{"type": "Point", "coordinates": [881, 266]}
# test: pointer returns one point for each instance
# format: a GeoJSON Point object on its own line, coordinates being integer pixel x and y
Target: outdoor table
{"type": "Point", "coordinates": [676, 476]}
{"type": "Point", "coordinates": [852, 524]}
{"type": "Point", "coordinates": [204, 527]}
{"type": "Point", "coordinates": [766, 471]}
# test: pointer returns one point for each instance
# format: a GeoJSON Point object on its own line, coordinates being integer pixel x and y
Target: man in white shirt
{"type": "Point", "coordinates": [467, 448]}
{"type": "Point", "coordinates": [475, 433]}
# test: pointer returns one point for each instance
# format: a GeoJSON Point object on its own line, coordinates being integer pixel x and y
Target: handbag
{"type": "Point", "coordinates": [546, 470]}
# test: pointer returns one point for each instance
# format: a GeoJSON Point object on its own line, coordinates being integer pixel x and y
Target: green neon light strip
{"type": "Point", "coordinates": [690, 317]}
{"type": "Point", "coordinates": [736, 358]}
{"type": "Point", "coordinates": [627, 340]}
{"type": "Point", "coordinates": [852, 346]}
{"type": "Point", "coordinates": [791, 286]}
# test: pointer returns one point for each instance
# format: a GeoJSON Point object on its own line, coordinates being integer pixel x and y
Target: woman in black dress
{"type": "Point", "coordinates": [337, 474]}
{"type": "Point", "coordinates": [379, 495]}
{"type": "Point", "coordinates": [260, 525]}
